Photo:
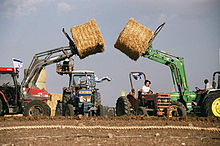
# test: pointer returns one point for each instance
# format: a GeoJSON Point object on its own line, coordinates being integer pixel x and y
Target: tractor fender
{"type": "Point", "coordinates": [3, 97]}
{"type": "Point", "coordinates": [209, 92]}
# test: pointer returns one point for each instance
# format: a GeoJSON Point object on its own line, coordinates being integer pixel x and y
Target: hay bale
{"type": "Point", "coordinates": [88, 39]}
{"type": "Point", "coordinates": [53, 102]}
{"type": "Point", "coordinates": [133, 40]}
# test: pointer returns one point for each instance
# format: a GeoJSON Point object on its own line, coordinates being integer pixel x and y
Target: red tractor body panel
{"type": "Point", "coordinates": [9, 69]}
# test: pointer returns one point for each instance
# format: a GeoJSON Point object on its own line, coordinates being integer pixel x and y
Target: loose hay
{"type": "Point", "coordinates": [133, 40]}
{"type": "Point", "coordinates": [88, 39]}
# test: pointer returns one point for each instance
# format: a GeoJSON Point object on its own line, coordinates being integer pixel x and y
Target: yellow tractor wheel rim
{"type": "Point", "coordinates": [172, 107]}
{"type": "Point", "coordinates": [216, 107]}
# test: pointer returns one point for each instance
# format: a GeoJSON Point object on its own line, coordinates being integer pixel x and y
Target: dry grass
{"type": "Point", "coordinates": [133, 40]}
{"type": "Point", "coordinates": [88, 39]}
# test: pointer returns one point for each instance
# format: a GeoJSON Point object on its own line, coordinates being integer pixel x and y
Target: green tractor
{"type": "Point", "coordinates": [183, 100]}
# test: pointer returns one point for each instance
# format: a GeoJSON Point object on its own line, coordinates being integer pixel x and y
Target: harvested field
{"type": "Point", "coordinates": [99, 136]}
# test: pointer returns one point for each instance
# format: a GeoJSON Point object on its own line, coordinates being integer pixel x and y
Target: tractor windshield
{"type": "Point", "coordinates": [6, 79]}
{"type": "Point", "coordinates": [83, 80]}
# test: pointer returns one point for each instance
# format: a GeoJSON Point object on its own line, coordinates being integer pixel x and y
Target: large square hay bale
{"type": "Point", "coordinates": [88, 39]}
{"type": "Point", "coordinates": [133, 40]}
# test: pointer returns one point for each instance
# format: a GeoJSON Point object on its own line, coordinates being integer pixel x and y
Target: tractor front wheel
{"type": "Point", "coordinates": [122, 106]}
{"type": "Point", "coordinates": [37, 108]}
{"type": "Point", "coordinates": [212, 105]}
{"type": "Point", "coordinates": [177, 109]}
{"type": "Point", "coordinates": [69, 110]}
{"type": "Point", "coordinates": [59, 109]}
{"type": "Point", "coordinates": [141, 111]}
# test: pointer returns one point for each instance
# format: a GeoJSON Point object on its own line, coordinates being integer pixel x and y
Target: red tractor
{"type": "Point", "coordinates": [26, 98]}
{"type": "Point", "coordinates": [10, 96]}
{"type": "Point", "coordinates": [153, 104]}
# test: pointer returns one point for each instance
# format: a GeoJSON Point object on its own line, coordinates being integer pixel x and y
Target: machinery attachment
{"type": "Point", "coordinates": [155, 34]}
{"type": "Point", "coordinates": [135, 39]}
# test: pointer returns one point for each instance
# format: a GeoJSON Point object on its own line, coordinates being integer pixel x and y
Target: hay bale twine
{"type": "Point", "coordinates": [88, 39]}
{"type": "Point", "coordinates": [133, 40]}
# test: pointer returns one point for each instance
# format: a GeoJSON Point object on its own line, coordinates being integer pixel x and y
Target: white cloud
{"type": "Point", "coordinates": [19, 7]}
{"type": "Point", "coordinates": [64, 7]}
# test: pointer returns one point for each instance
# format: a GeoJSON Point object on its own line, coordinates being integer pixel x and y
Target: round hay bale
{"type": "Point", "coordinates": [133, 40]}
{"type": "Point", "coordinates": [88, 39]}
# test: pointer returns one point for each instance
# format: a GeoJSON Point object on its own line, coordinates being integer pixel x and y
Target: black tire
{"type": "Point", "coordinates": [122, 106]}
{"type": "Point", "coordinates": [59, 109]}
{"type": "Point", "coordinates": [99, 102]}
{"type": "Point", "coordinates": [37, 108]}
{"type": "Point", "coordinates": [141, 111]}
{"type": "Point", "coordinates": [177, 109]}
{"type": "Point", "coordinates": [100, 110]}
{"type": "Point", "coordinates": [211, 106]}
{"type": "Point", "coordinates": [69, 110]}
{"type": "Point", "coordinates": [1, 108]}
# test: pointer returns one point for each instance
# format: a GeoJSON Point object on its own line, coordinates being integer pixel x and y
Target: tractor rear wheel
{"type": "Point", "coordinates": [212, 105]}
{"type": "Point", "coordinates": [59, 109]}
{"type": "Point", "coordinates": [122, 106]}
{"type": "Point", "coordinates": [100, 111]}
{"type": "Point", "coordinates": [37, 108]}
{"type": "Point", "coordinates": [141, 111]}
{"type": "Point", "coordinates": [177, 109]}
{"type": "Point", "coordinates": [69, 110]}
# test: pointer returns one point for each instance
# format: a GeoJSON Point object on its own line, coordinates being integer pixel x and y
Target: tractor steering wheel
{"type": "Point", "coordinates": [197, 88]}
{"type": "Point", "coordinates": [5, 84]}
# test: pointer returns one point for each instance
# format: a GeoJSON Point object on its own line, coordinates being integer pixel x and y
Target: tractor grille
{"type": "Point", "coordinates": [163, 100]}
{"type": "Point", "coordinates": [163, 103]}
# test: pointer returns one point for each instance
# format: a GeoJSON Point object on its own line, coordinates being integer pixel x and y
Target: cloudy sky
{"type": "Point", "coordinates": [191, 31]}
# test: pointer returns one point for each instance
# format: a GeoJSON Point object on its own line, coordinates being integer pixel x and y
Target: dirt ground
{"type": "Point", "coordinates": [59, 136]}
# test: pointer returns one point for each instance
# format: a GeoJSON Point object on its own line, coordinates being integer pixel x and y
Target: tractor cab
{"type": "Point", "coordinates": [81, 96]}
{"type": "Point", "coordinates": [9, 86]}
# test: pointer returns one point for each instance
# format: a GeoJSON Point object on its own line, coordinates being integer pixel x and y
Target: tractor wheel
{"type": "Point", "coordinates": [177, 109]}
{"type": "Point", "coordinates": [122, 106]}
{"type": "Point", "coordinates": [100, 111]}
{"type": "Point", "coordinates": [37, 108]}
{"type": "Point", "coordinates": [141, 111]}
{"type": "Point", "coordinates": [69, 110]}
{"type": "Point", "coordinates": [1, 108]}
{"type": "Point", "coordinates": [59, 109]}
{"type": "Point", "coordinates": [98, 99]}
{"type": "Point", "coordinates": [212, 105]}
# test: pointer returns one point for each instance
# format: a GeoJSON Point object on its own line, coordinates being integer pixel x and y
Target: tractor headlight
{"type": "Point", "coordinates": [81, 99]}
{"type": "Point", "coordinates": [88, 99]}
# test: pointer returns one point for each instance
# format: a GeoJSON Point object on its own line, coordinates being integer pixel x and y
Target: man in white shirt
{"type": "Point", "coordinates": [202, 92]}
{"type": "Point", "coordinates": [146, 89]}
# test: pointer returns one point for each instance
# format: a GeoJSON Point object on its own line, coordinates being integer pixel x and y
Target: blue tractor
{"type": "Point", "coordinates": [81, 96]}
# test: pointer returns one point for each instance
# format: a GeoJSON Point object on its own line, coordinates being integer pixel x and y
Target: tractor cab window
{"type": "Point", "coordinates": [83, 80]}
{"type": "Point", "coordinates": [6, 79]}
